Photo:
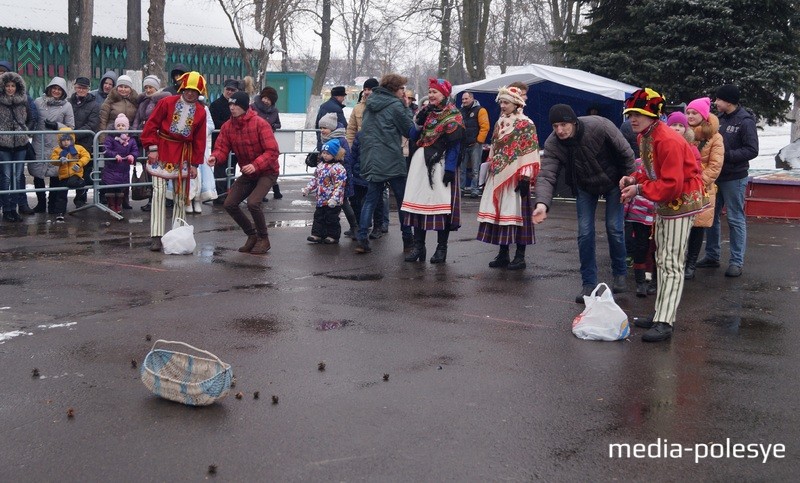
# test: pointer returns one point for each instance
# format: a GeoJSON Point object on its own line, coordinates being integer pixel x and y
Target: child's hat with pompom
{"type": "Point", "coordinates": [122, 119]}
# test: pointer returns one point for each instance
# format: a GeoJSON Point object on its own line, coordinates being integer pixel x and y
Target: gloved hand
{"type": "Point", "coordinates": [449, 177]}
{"type": "Point", "coordinates": [422, 114]}
{"type": "Point", "coordinates": [53, 126]}
{"type": "Point", "coordinates": [64, 160]}
{"type": "Point", "coordinates": [332, 203]}
{"type": "Point", "coordinates": [524, 187]}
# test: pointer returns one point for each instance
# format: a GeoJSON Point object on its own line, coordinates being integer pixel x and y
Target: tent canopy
{"type": "Point", "coordinates": [548, 85]}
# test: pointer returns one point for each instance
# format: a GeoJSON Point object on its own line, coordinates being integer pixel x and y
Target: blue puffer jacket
{"type": "Point", "coordinates": [740, 139]}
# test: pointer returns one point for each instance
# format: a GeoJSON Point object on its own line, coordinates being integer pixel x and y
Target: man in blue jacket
{"type": "Point", "coordinates": [738, 128]}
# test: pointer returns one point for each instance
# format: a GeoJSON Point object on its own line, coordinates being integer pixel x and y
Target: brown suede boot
{"type": "Point", "coordinates": [249, 244]}
{"type": "Point", "coordinates": [261, 247]}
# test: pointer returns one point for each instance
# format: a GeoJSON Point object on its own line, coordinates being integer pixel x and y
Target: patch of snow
{"type": "Point", "coordinates": [4, 336]}
{"type": "Point", "coordinates": [54, 326]}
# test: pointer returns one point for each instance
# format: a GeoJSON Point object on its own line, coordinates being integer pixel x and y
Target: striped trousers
{"type": "Point", "coordinates": [158, 207]}
{"type": "Point", "coordinates": [671, 236]}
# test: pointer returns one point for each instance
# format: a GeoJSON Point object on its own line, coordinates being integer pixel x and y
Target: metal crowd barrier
{"type": "Point", "coordinates": [286, 138]}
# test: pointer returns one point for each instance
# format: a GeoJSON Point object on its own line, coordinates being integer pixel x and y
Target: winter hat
{"type": "Point", "coordinates": [83, 81]}
{"type": "Point", "coordinates": [153, 81]}
{"type": "Point", "coordinates": [122, 119]}
{"type": "Point", "coordinates": [241, 99]}
{"type": "Point", "coordinates": [332, 147]}
{"type": "Point", "coordinates": [371, 83]}
{"type": "Point", "coordinates": [125, 80]}
{"type": "Point", "coordinates": [4, 64]}
{"type": "Point", "coordinates": [232, 84]}
{"type": "Point", "coordinates": [338, 91]}
{"type": "Point", "coordinates": [191, 80]}
{"type": "Point", "coordinates": [678, 117]}
{"type": "Point", "coordinates": [270, 93]}
{"type": "Point", "coordinates": [729, 93]}
{"type": "Point", "coordinates": [644, 101]}
{"type": "Point", "coordinates": [510, 94]}
{"type": "Point", "coordinates": [562, 113]}
{"type": "Point", "coordinates": [328, 121]}
{"type": "Point", "coordinates": [441, 85]}
{"type": "Point", "coordinates": [701, 105]}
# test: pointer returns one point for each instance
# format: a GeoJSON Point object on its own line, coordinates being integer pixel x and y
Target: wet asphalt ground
{"type": "Point", "coordinates": [485, 380]}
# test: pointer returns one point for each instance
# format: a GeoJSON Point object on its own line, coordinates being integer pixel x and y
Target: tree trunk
{"type": "Point", "coordinates": [81, 17]}
{"type": "Point", "coordinates": [473, 36]}
{"type": "Point", "coordinates": [325, 49]}
{"type": "Point", "coordinates": [156, 48]}
{"type": "Point", "coordinates": [506, 35]}
{"type": "Point", "coordinates": [134, 41]}
{"type": "Point", "coordinates": [444, 46]}
{"type": "Point", "coordinates": [284, 46]}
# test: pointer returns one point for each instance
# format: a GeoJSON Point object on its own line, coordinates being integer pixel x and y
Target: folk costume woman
{"type": "Point", "coordinates": [432, 200]}
{"type": "Point", "coordinates": [506, 212]}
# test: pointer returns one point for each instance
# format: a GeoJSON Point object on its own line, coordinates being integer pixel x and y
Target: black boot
{"type": "Point", "coordinates": [418, 250]}
{"type": "Point", "coordinates": [652, 287]}
{"type": "Point", "coordinates": [440, 256]}
{"type": "Point", "coordinates": [276, 191]}
{"type": "Point", "coordinates": [641, 282]}
{"type": "Point", "coordinates": [518, 263]}
{"type": "Point", "coordinates": [502, 259]}
{"type": "Point", "coordinates": [692, 252]}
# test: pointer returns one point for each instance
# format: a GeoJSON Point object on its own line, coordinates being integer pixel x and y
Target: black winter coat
{"type": "Point", "coordinates": [87, 117]}
{"type": "Point", "coordinates": [740, 138]}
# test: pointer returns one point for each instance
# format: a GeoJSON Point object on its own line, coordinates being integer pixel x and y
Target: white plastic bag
{"type": "Point", "coordinates": [180, 239]}
{"type": "Point", "coordinates": [602, 319]}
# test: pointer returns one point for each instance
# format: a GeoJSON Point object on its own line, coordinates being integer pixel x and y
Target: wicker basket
{"type": "Point", "coordinates": [185, 378]}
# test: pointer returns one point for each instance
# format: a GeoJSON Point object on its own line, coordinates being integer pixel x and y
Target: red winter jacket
{"type": "Point", "coordinates": [251, 139]}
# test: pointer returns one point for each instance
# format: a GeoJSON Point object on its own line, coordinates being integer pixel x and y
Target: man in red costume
{"type": "Point", "coordinates": [175, 139]}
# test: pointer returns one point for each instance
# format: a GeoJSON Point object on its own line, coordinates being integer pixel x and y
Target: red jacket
{"type": "Point", "coordinates": [249, 137]}
{"type": "Point", "coordinates": [170, 145]}
{"type": "Point", "coordinates": [671, 175]}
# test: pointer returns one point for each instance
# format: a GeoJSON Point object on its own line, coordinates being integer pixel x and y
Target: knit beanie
{"type": "Point", "coordinates": [702, 106]}
{"type": "Point", "coordinates": [241, 99]}
{"type": "Point", "coordinates": [332, 147]}
{"type": "Point", "coordinates": [125, 80]}
{"type": "Point", "coordinates": [122, 119]}
{"type": "Point", "coordinates": [678, 117]}
{"type": "Point", "coordinates": [729, 93]}
{"type": "Point", "coordinates": [328, 121]}
{"type": "Point", "coordinates": [371, 83]}
{"type": "Point", "coordinates": [562, 113]}
{"type": "Point", "coordinates": [153, 81]}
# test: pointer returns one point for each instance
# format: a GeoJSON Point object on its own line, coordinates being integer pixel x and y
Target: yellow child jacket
{"type": "Point", "coordinates": [66, 170]}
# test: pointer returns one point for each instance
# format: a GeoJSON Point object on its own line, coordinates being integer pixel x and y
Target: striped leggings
{"type": "Point", "coordinates": [671, 236]}
{"type": "Point", "coordinates": [158, 208]}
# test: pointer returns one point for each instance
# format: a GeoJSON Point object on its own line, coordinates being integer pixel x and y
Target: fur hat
{"type": "Point", "coordinates": [241, 99]}
{"type": "Point", "coordinates": [83, 81]}
{"type": "Point", "coordinates": [678, 117]}
{"type": "Point", "coordinates": [562, 113]}
{"type": "Point", "coordinates": [729, 93]}
{"type": "Point", "coordinates": [125, 80]}
{"type": "Point", "coordinates": [338, 91]}
{"type": "Point", "coordinates": [510, 94]}
{"type": "Point", "coordinates": [441, 85]}
{"type": "Point", "coordinates": [701, 105]}
{"type": "Point", "coordinates": [332, 147]}
{"type": "Point", "coordinates": [328, 121]}
{"type": "Point", "coordinates": [122, 119]}
{"type": "Point", "coordinates": [371, 83]}
{"type": "Point", "coordinates": [191, 80]}
{"type": "Point", "coordinates": [270, 93]}
{"type": "Point", "coordinates": [645, 101]}
{"type": "Point", "coordinates": [152, 81]}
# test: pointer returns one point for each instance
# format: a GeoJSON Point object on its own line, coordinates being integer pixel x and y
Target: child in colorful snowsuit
{"type": "Point", "coordinates": [328, 185]}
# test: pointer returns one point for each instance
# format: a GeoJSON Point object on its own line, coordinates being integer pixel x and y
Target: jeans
{"type": "Point", "coordinates": [9, 178]}
{"type": "Point", "coordinates": [730, 194]}
{"type": "Point", "coordinates": [472, 160]}
{"type": "Point", "coordinates": [586, 205]}
{"type": "Point", "coordinates": [375, 191]}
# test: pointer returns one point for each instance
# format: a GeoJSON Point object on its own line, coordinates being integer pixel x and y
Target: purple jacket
{"type": "Point", "coordinates": [118, 172]}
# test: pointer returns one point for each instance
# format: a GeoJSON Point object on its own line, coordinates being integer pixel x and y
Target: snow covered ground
{"type": "Point", "coordinates": [771, 140]}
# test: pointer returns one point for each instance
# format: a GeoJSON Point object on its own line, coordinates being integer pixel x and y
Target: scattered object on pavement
{"type": "Point", "coordinates": [185, 378]}
{"type": "Point", "coordinates": [133, 363]}
{"type": "Point", "coordinates": [233, 381]}
{"type": "Point", "coordinates": [239, 395]}
{"type": "Point", "coordinates": [256, 395]}
{"type": "Point", "coordinates": [602, 319]}
{"type": "Point", "coordinates": [148, 337]}
{"type": "Point", "coordinates": [70, 413]}
{"type": "Point", "coordinates": [321, 366]}
{"type": "Point", "coordinates": [212, 469]}
{"type": "Point", "coordinates": [274, 399]}
{"type": "Point", "coordinates": [35, 373]}
{"type": "Point", "coordinates": [386, 377]}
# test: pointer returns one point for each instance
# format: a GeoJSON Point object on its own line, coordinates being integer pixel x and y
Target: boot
{"type": "Point", "coordinates": [111, 201]}
{"type": "Point", "coordinates": [352, 232]}
{"type": "Point", "coordinates": [440, 255]}
{"type": "Point", "coordinates": [155, 244]}
{"type": "Point", "coordinates": [120, 204]}
{"type": "Point", "coordinates": [249, 244]}
{"type": "Point", "coordinates": [125, 203]}
{"type": "Point", "coordinates": [408, 244]}
{"type": "Point", "coordinates": [276, 191]}
{"type": "Point", "coordinates": [198, 206]}
{"type": "Point", "coordinates": [41, 199]}
{"type": "Point", "coordinates": [518, 263]}
{"type": "Point", "coordinates": [693, 251]}
{"type": "Point", "coordinates": [418, 250]}
{"type": "Point", "coordinates": [261, 247]}
{"type": "Point", "coordinates": [641, 282]}
{"type": "Point", "coordinates": [501, 260]}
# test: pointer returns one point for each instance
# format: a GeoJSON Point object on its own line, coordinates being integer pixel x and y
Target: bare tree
{"type": "Point", "coordinates": [81, 17]}
{"type": "Point", "coordinates": [355, 23]}
{"type": "Point", "coordinates": [473, 36]}
{"type": "Point", "coordinates": [134, 41]}
{"type": "Point", "coordinates": [565, 17]}
{"type": "Point", "coordinates": [156, 47]}
{"type": "Point", "coordinates": [444, 42]}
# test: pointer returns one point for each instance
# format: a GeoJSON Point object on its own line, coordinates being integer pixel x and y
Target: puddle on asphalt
{"type": "Point", "coordinates": [253, 286]}
{"type": "Point", "coordinates": [10, 281]}
{"type": "Point", "coordinates": [435, 295]}
{"type": "Point", "coordinates": [257, 325]}
{"type": "Point", "coordinates": [358, 277]}
{"type": "Point", "coordinates": [332, 324]}
{"type": "Point", "coordinates": [290, 224]}
{"type": "Point", "coordinates": [735, 322]}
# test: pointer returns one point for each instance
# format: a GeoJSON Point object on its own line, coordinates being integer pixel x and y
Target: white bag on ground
{"type": "Point", "coordinates": [180, 239]}
{"type": "Point", "coordinates": [602, 319]}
